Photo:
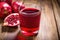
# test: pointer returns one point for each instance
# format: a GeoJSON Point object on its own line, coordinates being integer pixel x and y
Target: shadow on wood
{"type": "Point", "coordinates": [9, 29]}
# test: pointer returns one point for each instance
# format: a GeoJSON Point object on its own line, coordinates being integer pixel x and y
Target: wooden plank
{"type": "Point", "coordinates": [56, 9]}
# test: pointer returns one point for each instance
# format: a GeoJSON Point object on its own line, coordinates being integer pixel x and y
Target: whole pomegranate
{"type": "Point", "coordinates": [7, 1]}
{"type": "Point", "coordinates": [5, 9]}
{"type": "Point", "coordinates": [16, 6]}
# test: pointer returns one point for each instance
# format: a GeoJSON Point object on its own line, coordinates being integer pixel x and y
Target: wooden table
{"type": "Point", "coordinates": [49, 25]}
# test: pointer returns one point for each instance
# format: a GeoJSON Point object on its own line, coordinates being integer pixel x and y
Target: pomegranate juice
{"type": "Point", "coordinates": [29, 21]}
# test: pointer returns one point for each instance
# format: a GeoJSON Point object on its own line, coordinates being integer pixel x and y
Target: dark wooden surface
{"type": "Point", "coordinates": [49, 25]}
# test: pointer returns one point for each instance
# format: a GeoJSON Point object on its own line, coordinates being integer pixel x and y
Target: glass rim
{"type": "Point", "coordinates": [21, 12]}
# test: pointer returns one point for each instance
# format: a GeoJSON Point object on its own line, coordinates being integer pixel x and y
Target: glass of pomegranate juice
{"type": "Point", "coordinates": [29, 21]}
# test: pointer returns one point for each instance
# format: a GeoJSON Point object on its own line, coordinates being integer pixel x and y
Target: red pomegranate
{"type": "Point", "coordinates": [12, 20]}
{"type": "Point", "coordinates": [17, 6]}
{"type": "Point", "coordinates": [5, 9]}
{"type": "Point", "coordinates": [7, 1]}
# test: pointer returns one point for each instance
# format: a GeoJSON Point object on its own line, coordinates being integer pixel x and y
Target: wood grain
{"type": "Point", "coordinates": [56, 9]}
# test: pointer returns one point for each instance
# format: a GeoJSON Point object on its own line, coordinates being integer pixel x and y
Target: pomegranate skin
{"type": "Point", "coordinates": [17, 6]}
{"type": "Point", "coordinates": [5, 9]}
{"type": "Point", "coordinates": [7, 1]}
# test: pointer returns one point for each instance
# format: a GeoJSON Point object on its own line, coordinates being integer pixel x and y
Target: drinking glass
{"type": "Point", "coordinates": [30, 19]}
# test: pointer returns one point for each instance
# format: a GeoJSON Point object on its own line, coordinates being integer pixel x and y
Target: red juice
{"type": "Point", "coordinates": [29, 21]}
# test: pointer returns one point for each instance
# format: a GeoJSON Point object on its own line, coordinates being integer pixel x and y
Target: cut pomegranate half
{"type": "Point", "coordinates": [12, 20]}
